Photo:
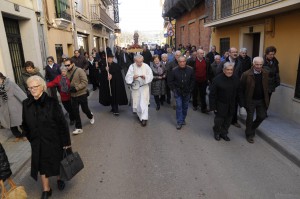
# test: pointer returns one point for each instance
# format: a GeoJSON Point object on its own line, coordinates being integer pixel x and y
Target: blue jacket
{"type": "Point", "coordinates": [51, 73]}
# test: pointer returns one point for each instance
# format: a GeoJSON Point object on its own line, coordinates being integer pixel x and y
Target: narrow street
{"type": "Point", "coordinates": [126, 161]}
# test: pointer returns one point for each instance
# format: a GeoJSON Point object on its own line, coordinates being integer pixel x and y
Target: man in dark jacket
{"type": "Point", "coordinates": [169, 67]}
{"type": "Point", "coordinates": [181, 82]}
{"type": "Point", "coordinates": [222, 98]}
{"type": "Point", "coordinates": [233, 58]}
{"type": "Point", "coordinates": [203, 75]}
{"type": "Point", "coordinates": [80, 61]}
{"type": "Point", "coordinates": [51, 72]}
{"type": "Point", "coordinates": [147, 55]}
{"type": "Point", "coordinates": [211, 55]}
{"type": "Point", "coordinates": [255, 96]}
{"type": "Point", "coordinates": [125, 60]}
{"type": "Point", "coordinates": [245, 61]}
{"type": "Point", "coordinates": [271, 65]}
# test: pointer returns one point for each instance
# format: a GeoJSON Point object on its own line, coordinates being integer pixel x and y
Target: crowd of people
{"type": "Point", "coordinates": [213, 83]}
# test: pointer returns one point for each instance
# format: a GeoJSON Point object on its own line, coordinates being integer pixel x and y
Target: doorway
{"type": "Point", "coordinates": [251, 41]}
{"type": "Point", "coordinates": [256, 44]}
{"type": "Point", "coordinates": [15, 47]}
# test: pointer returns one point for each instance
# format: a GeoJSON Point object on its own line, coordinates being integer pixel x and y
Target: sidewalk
{"type": "Point", "coordinates": [18, 153]}
{"type": "Point", "coordinates": [282, 134]}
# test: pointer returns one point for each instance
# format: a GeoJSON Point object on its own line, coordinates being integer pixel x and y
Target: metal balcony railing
{"type": "Point", "coordinates": [98, 15]}
{"type": "Point", "coordinates": [64, 15]}
{"type": "Point", "coordinates": [62, 9]}
{"type": "Point", "coordinates": [219, 9]}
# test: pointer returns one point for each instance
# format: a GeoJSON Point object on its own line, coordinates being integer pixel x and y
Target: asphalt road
{"type": "Point", "coordinates": [126, 161]}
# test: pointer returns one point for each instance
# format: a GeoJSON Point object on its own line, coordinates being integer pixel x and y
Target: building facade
{"type": "Point", "coordinates": [190, 17]}
{"type": "Point", "coordinates": [33, 30]}
{"type": "Point", "coordinates": [257, 24]}
{"type": "Point", "coordinates": [20, 39]}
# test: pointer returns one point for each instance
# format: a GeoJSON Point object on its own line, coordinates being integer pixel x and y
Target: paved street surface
{"type": "Point", "coordinates": [126, 161]}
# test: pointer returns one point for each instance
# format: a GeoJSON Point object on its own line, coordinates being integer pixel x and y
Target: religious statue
{"type": "Point", "coordinates": [135, 47]}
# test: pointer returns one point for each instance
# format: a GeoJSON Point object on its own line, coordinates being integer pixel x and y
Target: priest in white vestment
{"type": "Point", "coordinates": [141, 75]}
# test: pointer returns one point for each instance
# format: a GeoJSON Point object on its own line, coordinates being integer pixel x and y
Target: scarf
{"type": "Point", "coordinates": [64, 86]}
{"type": "Point", "coordinates": [159, 68]}
{"type": "Point", "coordinates": [3, 92]}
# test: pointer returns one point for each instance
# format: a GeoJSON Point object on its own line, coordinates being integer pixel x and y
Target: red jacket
{"type": "Point", "coordinates": [56, 82]}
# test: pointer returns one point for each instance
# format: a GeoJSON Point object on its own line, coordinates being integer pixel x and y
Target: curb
{"type": "Point", "coordinates": [284, 151]}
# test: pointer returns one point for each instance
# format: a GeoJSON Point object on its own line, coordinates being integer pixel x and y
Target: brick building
{"type": "Point", "coordinates": [190, 17]}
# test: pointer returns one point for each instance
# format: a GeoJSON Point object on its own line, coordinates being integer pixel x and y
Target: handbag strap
{"type": "Point", "coordinates": [11, 182]}
{"type": "Point", "coordinates": [71, 78]}
{"type": "Point", "coordinates": [3, 190]}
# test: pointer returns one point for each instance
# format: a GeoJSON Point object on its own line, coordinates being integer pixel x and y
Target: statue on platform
{"type": "Point", "coordinates": [135, 47]}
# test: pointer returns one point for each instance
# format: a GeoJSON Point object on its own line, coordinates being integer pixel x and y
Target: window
{"type": "Point", "coordinates": [297, 90]}
{"type": "Point", "coordinates": [224, 45]}
{"type": "Point", "coordinates": [62, 9]}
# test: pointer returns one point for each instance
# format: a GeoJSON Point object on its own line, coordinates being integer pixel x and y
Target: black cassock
{"type": "Point", "coordinates": [118, 92]}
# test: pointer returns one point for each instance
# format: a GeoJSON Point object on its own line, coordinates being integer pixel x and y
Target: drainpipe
{"type": "Point", "coordinates": [73, 20]}
{"type": "Point", "coordinates": [42, 30]}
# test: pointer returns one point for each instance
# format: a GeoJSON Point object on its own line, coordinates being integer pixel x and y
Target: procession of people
{"type": "Point", "coordinates": [177, 78]}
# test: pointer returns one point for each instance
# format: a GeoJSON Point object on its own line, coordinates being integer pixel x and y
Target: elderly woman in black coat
{"type": "Point", "coordinates": [47, 131]}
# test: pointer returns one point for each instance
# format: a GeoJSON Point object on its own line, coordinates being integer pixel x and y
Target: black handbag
{"type": "Point", "coordinates": [5, 171]}
{"type": "Point", "coordinates": [70, 165]}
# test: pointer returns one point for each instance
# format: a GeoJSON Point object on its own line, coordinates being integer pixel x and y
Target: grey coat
{"type": "Point", "coordinates": [158, 86]}
{"type": "Point", "coordinates": [10, 110]}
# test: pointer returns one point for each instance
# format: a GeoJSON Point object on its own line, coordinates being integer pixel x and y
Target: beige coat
{"type": "Point", "coordinates": [79, 81]}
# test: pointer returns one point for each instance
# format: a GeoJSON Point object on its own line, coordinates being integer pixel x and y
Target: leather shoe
{"type": "Point", "coordinates": [237, 125]}
{"type": "Point", "coordinates": [144, 122]}
{"type": "Point", "coordinates": [217, 137]}
{"type": "Point", "coordinates": [178, 126]}
{"type": "Point", "coordinates": [250, 140]}
{"type": "Point", "coordinates": [46, 194]}
{"type": "Point", "coordinates": [225, 137]}
{"type": "Point", "coordinates": [60, 185]}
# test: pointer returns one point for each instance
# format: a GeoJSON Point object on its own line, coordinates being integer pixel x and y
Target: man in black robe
{"type": "Point", "coordinates": [112, 89]}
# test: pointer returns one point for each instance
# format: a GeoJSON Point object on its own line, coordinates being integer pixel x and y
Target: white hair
{"type": "Point", "coordinates": [36, 78]}
{"type": "Point", "coordinates": [243, 50]}
{"type": "Point", "coordinates": [228, 64]}
{"type": "Point", "coordinates": [138, 57]}
{"type": "Point", "coordinates": [255, 59]}
{"type": "Point", "coordinates": [178, 52]}
{"type": "Point", "coordinates": [164, 55]}
{"type": "Point", "coordinates": [182, 57]}
{"type": "Point", "coordinates": [217, 56]}
{"type": "Point", "coordinates": [63, 68]}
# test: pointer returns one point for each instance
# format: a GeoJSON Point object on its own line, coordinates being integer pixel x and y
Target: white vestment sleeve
{"type": "Point", "coordinates": [129, 75]}
{"type": "Point", "coordinates": [149, 75]}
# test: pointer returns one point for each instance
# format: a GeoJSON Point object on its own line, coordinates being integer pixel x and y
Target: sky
{"type": "Point", "coordinates": [141, 15]}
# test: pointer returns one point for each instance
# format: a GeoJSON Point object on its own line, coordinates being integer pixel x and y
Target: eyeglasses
{"type": "Point", "coordinates": [33, 87]}
{"type": "Point", "coordinates": [67, 65]}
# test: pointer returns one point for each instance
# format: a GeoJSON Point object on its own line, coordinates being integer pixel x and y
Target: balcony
{"type": "Point", "coordinates": [223, 12]}
{"type": "Point", "coordinates": [175, 8]}
{"type": "Point", "coordinates": [99, 16]}
{"type": "Point", "coordinates": [63, 18]}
